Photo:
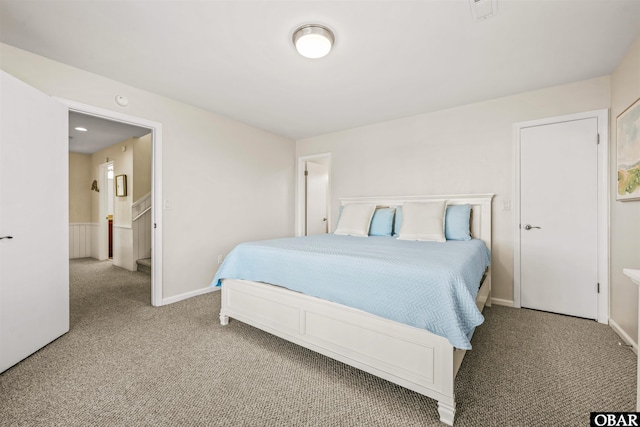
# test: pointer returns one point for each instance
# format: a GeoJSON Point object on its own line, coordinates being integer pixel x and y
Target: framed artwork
{"type": "Point", "coordinates": [628, 153]}
{"type": "Point", "coordinates": [121, 185]}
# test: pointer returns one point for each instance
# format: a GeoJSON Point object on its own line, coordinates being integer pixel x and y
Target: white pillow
{"type": "Point", "coordinates": [355, 219]}
{"type": "Point", "coordinates": [423, 221]}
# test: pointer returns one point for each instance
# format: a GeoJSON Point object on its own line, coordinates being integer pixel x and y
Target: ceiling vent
{"type": "Point", "coordinates": [483, 9]}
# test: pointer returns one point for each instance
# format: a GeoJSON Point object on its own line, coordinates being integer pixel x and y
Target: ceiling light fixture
{"type": "Point", "coordinates": [313, 41]}
{"type": "Point", "coordinates": [81, 129]}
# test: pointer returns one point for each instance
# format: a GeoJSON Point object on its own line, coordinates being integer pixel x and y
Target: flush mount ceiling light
{"type": "Point", "coordinates": [313, 41]}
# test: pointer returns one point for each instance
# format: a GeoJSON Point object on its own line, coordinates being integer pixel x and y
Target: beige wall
{"type": "Point", "coordinates": [141, 167]}
{"type": "Point", "coordinates": [122, 165]}
{"type": "Point", "coordinates": [80, 179]}
{"type": "Point", "coordinates": [468, 149]}
{"type": "Point", "coordinates": [625, 216]}
{"type": "Point", "coordinates": [225, 181]}
{"type": "Point", "coordinates": [135, 162]}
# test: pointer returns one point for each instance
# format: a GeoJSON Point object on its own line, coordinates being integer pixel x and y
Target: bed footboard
{"type": "Point", "coordinates": [405, 355]}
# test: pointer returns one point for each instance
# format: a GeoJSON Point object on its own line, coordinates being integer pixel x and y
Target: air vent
{"type": "Point", "coordinates": [483, 9]}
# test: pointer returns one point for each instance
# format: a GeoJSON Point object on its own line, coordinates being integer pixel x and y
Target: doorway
{"type": "Point", "coordinates": [109, 214]}
{"type": "Point", "coordinates": [155, 195]}
{"type": "Point", "coordinates": [106, 151]}
{"type": "Point", "coordinates": [313, 213]}
{"type": "Point", "coordinates": [561, 215]}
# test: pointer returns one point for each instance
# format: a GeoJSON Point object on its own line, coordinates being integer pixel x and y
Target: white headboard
{"type": "Point", "coordinates": [480, 208]}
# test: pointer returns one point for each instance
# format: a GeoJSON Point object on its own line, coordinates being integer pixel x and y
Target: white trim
{"type": "Point", "coordinates": [624, 336]}
{"type": "Point", "coordinates": [102, 243]}
{"type": "Point", "coordinates": [299, 227]}
{"type": "Point", "coordinates": [156, 183]}
{"type": "Point", "coordinates": [124, 227]}
{"type": "Point", "coordinates": [502, 302]}
{"type": "Point", "coordinates": [602, 117]}
{"type": "Point", "coordinates": [137, 217]}
{"type": "Point", "coordinates": [141, 200]}
{"type": "Point", "coordinates": [190, 294]}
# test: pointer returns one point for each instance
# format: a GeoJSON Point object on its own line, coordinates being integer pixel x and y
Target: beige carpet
{"type": "Point", "coordinates": [125, 363]}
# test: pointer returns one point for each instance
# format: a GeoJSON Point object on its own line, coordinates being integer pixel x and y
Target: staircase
{"type": "Point", "coordinates": [144, 265]}
{"type": "Point", "coordinates": [141, 228]}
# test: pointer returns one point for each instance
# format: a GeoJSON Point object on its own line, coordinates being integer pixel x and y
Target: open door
{"type": "Point", "coordinates": [34, 210]}
{"type": "Point", "coordinates": [317, 186]}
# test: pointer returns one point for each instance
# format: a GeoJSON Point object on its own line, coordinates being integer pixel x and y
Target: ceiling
{"type": "Point", "coordinates": [101, 133]}
{"type": "Point", "coordinates": [391, 59]}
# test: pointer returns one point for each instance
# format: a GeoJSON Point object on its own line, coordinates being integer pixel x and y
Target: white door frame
{"type": "Point", "coordinates": [602, 117]}
{"type": "Point", "coordinates": [103, 244]}
{"type": "Point", "coordinates": [156, 183]}
{"type": "Point", "coordinates": [300, 194]}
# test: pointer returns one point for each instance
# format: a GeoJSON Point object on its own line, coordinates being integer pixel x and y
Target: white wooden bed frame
{"type": "Point", "coordinates": [411, 357]}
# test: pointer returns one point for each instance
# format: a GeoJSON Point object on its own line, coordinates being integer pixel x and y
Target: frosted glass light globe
{"type": "Point", "coordinates": [313, 41]}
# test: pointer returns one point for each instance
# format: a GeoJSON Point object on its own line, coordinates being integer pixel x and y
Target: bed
{"type": "Point", "coordinates": [382, 344]}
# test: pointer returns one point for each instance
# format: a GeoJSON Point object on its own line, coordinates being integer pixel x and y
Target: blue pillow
{"type": "Point", "coordinates": [456, 222]}
{"type": "Point", "coordinates": [398, 222]}
{"type": "Point", "coordinates": [382, 222]}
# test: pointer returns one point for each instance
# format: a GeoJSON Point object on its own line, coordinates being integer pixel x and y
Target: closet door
{"type": "Point", "coordinates": [34, 220]}
{"type": "Point", "coordinates": [559, 217]}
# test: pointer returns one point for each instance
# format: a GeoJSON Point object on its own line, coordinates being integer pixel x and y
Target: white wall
{"type": "Point", "coordinates": [625, 216]}
{"type": "Point", "coordinates": [225, 182]}
{"type": "Point", "coordinates": [467, 149]}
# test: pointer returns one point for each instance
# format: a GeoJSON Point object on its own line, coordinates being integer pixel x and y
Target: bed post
{"type": "Point", "coordinates": [447, 412]}
{"type": "Point", "coordinates": [224, 319]}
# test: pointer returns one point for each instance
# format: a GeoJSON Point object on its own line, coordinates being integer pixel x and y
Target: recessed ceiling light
{"type": "Point", "coordinates": [81, 129]}
{"type": "Point", "coordinates": [313, 41]}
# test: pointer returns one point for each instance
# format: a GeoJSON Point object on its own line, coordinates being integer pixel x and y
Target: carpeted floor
{"type": "Point", "coordinates": [125, 363]}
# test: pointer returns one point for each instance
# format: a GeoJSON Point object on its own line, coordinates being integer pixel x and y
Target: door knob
{"type": "Point", "coordinates": [324, 219]}
{"type": "Point", "coordinates": [6, 237]}
{"type": "Point", "coordinates": [529, 227]}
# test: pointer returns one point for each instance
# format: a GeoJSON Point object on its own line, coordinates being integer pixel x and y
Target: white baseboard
{"type": "Point", "coordinates": [625, 337]}
{"type": "Point", "coordinates": [171, 300]}
{"type": "Point", "coordinates": [504, 302]}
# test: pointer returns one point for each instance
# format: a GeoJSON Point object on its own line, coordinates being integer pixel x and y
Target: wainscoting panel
{"type": "Point", "coordinates": [142, 236]}
{"type": "Point", "coordinates": [122, 248]}
{"type": "Point", "coordinates": [141, 225]}
{"type": "Point", "coordinates": [81, 239]}
{"type": "Point", "coordinates": [95, 238]}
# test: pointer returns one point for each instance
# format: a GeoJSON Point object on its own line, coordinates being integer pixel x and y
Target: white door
{"type": "Point", "coordinates": [317, 182]}
{"type": "Point", "coordinates": [34, 211]}
{"type": "Point", "coordinates": [559, 217]}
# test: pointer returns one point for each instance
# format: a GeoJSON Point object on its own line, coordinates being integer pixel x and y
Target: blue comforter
{"type": "Point", "coordinates": [428, 285]}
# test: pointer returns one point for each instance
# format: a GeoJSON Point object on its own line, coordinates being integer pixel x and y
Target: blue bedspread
{"type": "Point", "coordinates": [428, 285]}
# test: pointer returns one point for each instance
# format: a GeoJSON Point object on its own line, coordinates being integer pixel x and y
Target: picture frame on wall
{"type": "Point", "coordinates": [628, 153]}
{"type": "Point", "coordinates": [121, 185]}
